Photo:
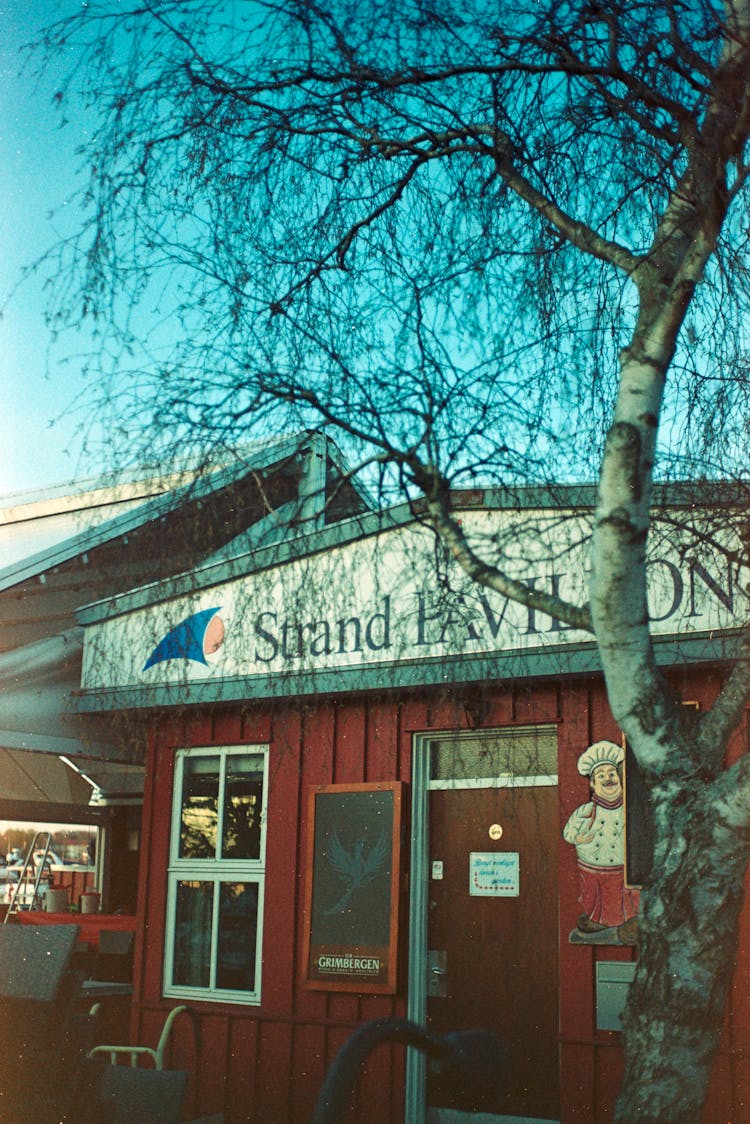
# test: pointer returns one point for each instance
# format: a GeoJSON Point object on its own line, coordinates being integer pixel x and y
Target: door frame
{"type": "Point", "coordinates": [416, 1008]}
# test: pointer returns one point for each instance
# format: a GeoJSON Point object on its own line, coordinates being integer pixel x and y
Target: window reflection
{"type": "Point", "coordinates": [238, 921]}
{"type": "Point", "coordinates": [200, 806]}
{"type": "Point", "coordinates": [243, 802]}
{"type": "Point", "coordinates": [192, 938]}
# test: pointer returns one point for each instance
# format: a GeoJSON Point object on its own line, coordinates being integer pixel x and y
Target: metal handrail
{"type": "Point", "coordinates": [479, 1058]}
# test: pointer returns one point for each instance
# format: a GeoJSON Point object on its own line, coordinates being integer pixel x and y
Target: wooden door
{"type": "Point", "coordinates": [500, 951]}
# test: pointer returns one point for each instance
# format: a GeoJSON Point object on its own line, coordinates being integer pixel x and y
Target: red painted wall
{"type": "Point", "coordinates": [267, 1063]}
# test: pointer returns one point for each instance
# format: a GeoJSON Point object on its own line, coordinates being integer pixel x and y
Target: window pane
{"type": "Point", "coordinates": [519, 752]}
{"type": "Point", "coordinates": [192, 938]}
{"type": "Point", "coordinates": [200, 807]}
{"type": "Point", "coordinates": [243, 803]}
{"type": "Point", "coordinates": [238, 924]}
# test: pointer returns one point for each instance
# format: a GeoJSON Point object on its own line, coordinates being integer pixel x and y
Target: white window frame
{"type": "Point", "coordinates": [216, 870]}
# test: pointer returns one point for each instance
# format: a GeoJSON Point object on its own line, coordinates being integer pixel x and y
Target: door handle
{"type": "Point", "coordinates": [437, 973]}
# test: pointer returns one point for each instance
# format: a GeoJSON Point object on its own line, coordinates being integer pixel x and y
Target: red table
{"type": "Point", "coordinates": [90, 924]}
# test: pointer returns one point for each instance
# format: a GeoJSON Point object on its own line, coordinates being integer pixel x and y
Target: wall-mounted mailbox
{"type": "Point", "coordinates": [612, 982]}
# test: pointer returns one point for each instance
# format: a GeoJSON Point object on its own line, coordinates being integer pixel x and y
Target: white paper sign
{"type": "Point", "coordinates": [494, 874]}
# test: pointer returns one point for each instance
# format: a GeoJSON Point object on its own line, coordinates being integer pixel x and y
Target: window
{"type": "Point", "coordinates": [217, 874]}
{"type": "Point", "coordinates": [514, 756]}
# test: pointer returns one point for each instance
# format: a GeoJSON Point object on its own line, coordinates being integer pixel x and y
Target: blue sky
{"type": "Point", "coordinates": [39, 444]}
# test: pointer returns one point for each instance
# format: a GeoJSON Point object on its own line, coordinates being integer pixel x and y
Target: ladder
{"type": "Point", "coordinates": [31, 869]}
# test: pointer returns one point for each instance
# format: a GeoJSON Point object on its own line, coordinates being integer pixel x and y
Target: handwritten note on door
{"type": "Point", "coordinates": [494, 874]}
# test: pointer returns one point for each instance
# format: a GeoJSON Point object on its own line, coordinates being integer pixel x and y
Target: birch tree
{"type": "Point", "coordinates": [478, 242]}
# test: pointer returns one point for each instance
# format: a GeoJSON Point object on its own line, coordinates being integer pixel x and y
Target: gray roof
{"type": "Point", "coordinates": [254, 554]}
{"type": "Point", "coordinates": [42, 531]}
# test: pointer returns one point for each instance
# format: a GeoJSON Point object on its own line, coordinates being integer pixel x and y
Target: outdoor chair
{"type": "Point", "coordinates": [43, 1034]}
{"type": "Point", "coordinates": [140, 1094]}
{"type": "Point", "coordinates": [137, 1053]}
{"type": "Point", "coordinates": [113, 960]}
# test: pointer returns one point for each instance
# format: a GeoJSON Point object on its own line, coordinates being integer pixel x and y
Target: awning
{"type": "Point", "coordinates": [40, 778]}
{"type": "Point", "coordinates": [37, 685]}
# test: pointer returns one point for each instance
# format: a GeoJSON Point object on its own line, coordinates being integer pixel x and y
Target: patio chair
{"type": "Point", "coordinates": [113, 960]}
{"type": "Point", "coordinates": [140, 1094]}
{"type": "Point", "coordinates": [43, 1035]}
{"type": "Point", "coordinates": [136, 1053]}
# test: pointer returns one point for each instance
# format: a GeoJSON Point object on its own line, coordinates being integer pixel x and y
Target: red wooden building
{"type": "Point", "coordinates": [94, 540]}
{"type": "Point", "coordinates": [358, 775]}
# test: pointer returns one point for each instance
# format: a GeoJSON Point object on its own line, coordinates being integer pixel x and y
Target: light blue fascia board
{"type": "Point", "coordinates": [306, 544]}
{"type": "Point", "coordinates": [264, 558]}
{"type": "Point", "coordinates": [559, 661]}
{"type": "Point", "coordinates": [85, 541]}
{"type": "Point", "coordinates": [301, 544]}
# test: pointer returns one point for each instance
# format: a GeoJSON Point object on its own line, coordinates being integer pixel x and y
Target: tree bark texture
{"type": "Point", "coordinates": [687, 947]}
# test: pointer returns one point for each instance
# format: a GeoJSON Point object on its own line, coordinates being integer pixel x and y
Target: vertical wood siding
{"type": "Point", "coordinates": [266, 1064]}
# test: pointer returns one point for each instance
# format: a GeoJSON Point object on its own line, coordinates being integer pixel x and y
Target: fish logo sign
{"type": "Point", "coordinates": [194, 638]}
{"type": "Point", "coordinates": [355, 868]}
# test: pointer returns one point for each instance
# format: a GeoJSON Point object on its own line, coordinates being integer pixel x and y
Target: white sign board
{"type": "Point", "coordinates": [494, 874]}
{"type": "Point", "coordinates": [391, 598]}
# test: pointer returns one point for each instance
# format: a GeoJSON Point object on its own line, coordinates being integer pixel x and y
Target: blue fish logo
{"type": "Point", "coordinates": [192, 639]}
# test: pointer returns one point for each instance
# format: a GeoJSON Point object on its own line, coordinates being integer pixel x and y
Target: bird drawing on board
{"type": "Point", "coordinates": [354, 868]}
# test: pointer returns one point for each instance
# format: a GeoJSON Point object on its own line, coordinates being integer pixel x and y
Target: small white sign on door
{"type": "Point", "coordinates": [494, 874]}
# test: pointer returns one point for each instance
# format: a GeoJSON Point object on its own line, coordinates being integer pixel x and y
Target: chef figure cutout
{"type": "Point", "coordinates": [597, 831]}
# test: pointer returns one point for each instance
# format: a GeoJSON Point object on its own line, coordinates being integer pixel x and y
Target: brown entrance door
{"type": "Point", "coordinates": [495, 957]}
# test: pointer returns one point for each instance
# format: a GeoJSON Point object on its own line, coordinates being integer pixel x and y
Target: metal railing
{"type": "Point", "coordinates": [468, 1058]}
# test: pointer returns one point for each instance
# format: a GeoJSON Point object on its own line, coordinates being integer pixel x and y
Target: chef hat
{"type": "Point", "coordinates": [600, 753]}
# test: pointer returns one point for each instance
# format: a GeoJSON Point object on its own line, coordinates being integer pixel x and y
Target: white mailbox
{"type": "Point", "coordinates": [612, 982]}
